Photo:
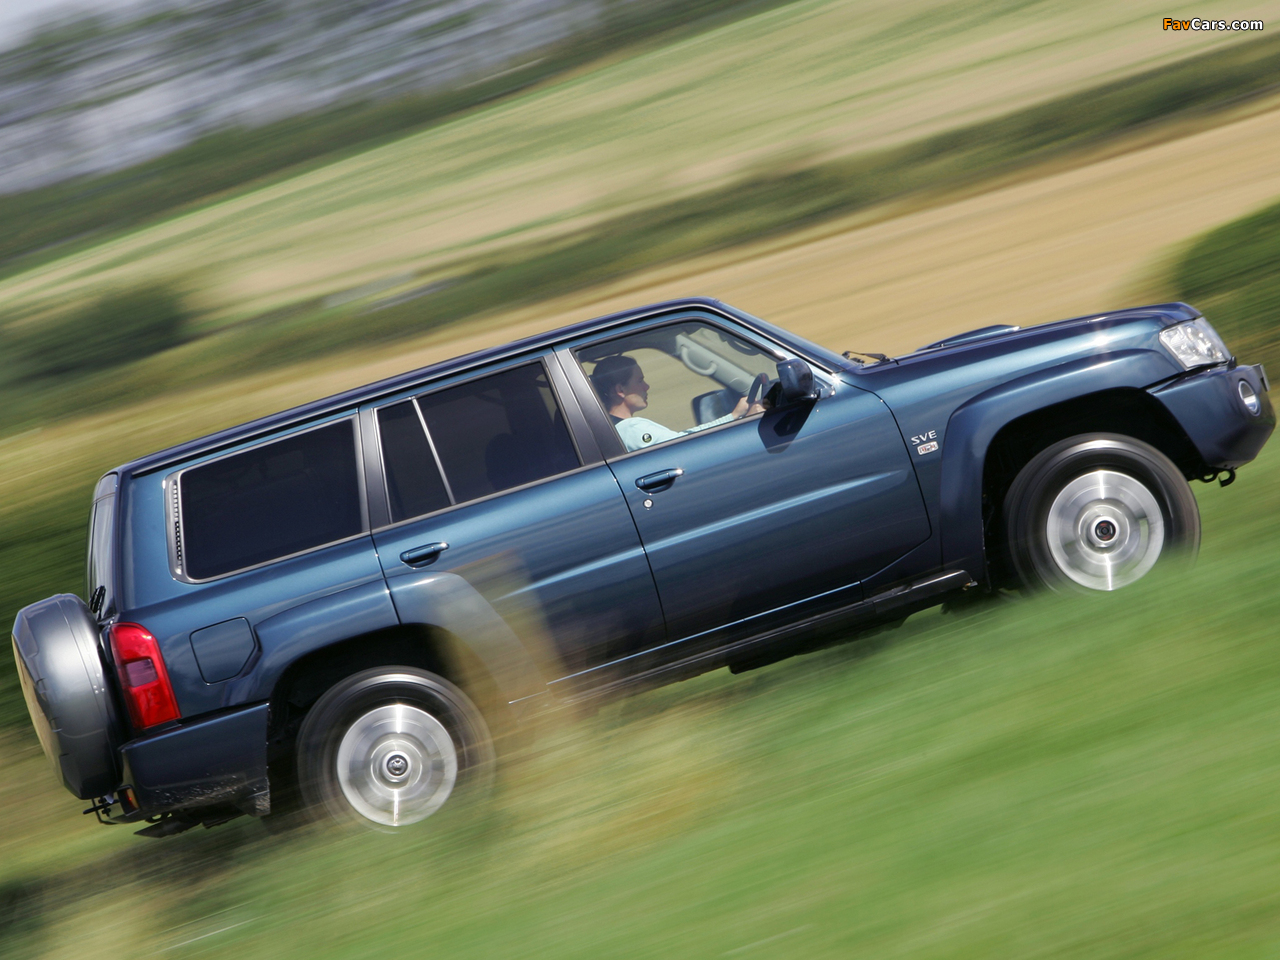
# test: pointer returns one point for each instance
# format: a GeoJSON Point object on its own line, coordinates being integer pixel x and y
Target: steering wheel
{"type": "Point", "coordinates": [755, 393]}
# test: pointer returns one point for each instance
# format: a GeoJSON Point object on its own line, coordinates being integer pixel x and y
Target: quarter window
{"type": "Point", "coordinates": [99, 570]}
{"type": "Point", "coordinates": [269, 502]}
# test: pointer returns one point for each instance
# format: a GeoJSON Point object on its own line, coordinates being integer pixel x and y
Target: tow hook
{"type": "Point", "coordinates": [100, 805]}
{"type": "Point", "coordinates": [1226, 476]}
{"type": "Point", "coordinates": [122, 798]}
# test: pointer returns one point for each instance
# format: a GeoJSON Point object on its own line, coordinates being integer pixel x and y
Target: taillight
{"type": "Point", "coordinates": [147, 690]}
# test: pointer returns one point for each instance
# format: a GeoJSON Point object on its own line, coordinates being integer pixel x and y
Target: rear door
{"type": "Point", "coordinates": [485, 479]}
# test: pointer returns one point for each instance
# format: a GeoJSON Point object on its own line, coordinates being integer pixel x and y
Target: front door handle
{"type": "Point", "coordinates": [653, 482]}
{"type": "Point", "coordinates": [421, 556]}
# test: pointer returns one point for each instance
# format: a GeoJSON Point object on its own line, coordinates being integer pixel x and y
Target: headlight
{"type": "Point", "coordinates": [1195, 344]}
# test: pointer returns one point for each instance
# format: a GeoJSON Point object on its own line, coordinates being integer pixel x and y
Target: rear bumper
{"type": "Point", "coordinates": [1209, 407]}
{"type": "Point", "coordinates": [214, 762]}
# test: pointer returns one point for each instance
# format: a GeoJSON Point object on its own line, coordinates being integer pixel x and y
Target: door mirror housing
{"type": "Point", "coordinates": [795, 377]}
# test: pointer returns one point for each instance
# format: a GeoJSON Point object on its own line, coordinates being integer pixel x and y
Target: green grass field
{"type": "Point", "coordinates": [1233, 274]}
{"type": "Point", "coordinates": [1056, 776]}
{"type": "Point", "coordinates": [1083, 777]}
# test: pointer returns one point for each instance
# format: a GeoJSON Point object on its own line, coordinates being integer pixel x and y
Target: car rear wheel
{"type": "Point", "coordinates": [1097, 512]}
{"type": "Point", "coordinates": [388, 747]}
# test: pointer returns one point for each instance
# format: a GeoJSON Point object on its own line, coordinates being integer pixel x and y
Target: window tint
{"type": "Point", "coordinates": [498, 432]}
{"type": "Point", "coordinates": [271, 501]}
{"type": "Point", "coordinates": [414, 486]}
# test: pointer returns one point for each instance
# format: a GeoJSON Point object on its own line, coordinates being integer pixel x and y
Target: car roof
{"type": "Point", "coordinates": [318, 409]}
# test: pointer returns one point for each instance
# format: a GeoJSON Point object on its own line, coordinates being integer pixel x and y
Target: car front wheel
{"type": "Point", "coordinates": [1097, 512]}
{"type": "Point", "coordinates": [388, 747]}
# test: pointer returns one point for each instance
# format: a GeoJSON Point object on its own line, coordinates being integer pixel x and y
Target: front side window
{"type": "Point", "coordinates": [670, 381]}
{"type": "Point", "coordinates": [472, 440]}
{"type": "Point", "coordinates": [271, 501]}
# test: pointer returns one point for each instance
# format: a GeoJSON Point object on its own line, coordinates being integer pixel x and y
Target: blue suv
{"type": "Point", "coordinates": [358, 598]}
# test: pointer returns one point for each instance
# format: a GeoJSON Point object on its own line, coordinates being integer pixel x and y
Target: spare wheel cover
{"type": "Point", "coordinates": [55, 643]}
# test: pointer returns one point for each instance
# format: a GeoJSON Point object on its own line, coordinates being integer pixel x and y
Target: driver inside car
{"type": "Point", "coordinates": [620, 384]}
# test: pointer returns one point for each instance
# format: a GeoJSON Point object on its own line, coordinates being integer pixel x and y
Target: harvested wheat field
{"type": "Point", "coordinates": [1071, 242]}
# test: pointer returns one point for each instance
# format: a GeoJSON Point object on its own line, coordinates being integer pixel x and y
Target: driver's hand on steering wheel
{"type": "Point", "coordinates": [753, 402]}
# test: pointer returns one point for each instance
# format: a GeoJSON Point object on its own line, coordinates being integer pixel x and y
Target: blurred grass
{"type": "Point", "coordinates": [42, 552]}
{"type": "Point", "coordinates": [1078, 777]}
{"type": "Point", "coordinates": [1232, 274]}
{"type": "Point", "coordinates": [756, 96]}
{"type": "Point", "coordinates": [45, 218]}
{"type": "Point", "coordinates": [766, 204]}
{"type": "Point", "coordinates": [119, 327]}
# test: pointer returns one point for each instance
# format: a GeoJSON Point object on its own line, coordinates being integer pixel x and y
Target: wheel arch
{"type": "Point", "coordinates": [1128, 411]}
{"type": "Point", "coordinates": [425, 646]}
{"type": "Point", "coordinates": [992, 436]}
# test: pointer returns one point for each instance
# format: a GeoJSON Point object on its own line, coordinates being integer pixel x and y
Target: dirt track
{"type": "Point", "coordinates": [1067, 244]}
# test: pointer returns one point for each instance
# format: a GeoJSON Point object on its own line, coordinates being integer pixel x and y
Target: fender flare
{"type": "Point", "coordinates": [438, 601]}
{"type": "Point", "coordinates": [446, 601]}
{"type": "Point", "coordinates": [975, 423]}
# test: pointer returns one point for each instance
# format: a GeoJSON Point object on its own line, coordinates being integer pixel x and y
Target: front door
{"type": "Point", "coordinates": [747, 513]}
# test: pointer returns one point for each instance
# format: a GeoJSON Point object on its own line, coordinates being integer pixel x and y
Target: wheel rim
{"type": "Point", "coordinates": [1105, 530]}
{"type": "Point", "coordinates": [396, 764]}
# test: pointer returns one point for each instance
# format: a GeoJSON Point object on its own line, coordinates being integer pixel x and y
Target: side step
{"type": "Point", "coordinates": [911, 594]}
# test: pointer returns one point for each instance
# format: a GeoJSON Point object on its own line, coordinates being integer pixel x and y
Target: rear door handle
{"type": "Point", "coordinates": [653, 482]}
{"type": "Point", "coordinates": [420, 556]}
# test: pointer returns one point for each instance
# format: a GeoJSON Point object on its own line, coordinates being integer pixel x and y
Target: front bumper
{"type": "Point", "coordinates": [1209, 407]}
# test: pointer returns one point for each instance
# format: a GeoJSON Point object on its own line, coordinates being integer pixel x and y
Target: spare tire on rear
{"type": "Point", "coordinates": [64, 681]}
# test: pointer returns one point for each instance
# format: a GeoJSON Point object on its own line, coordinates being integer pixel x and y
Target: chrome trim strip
{"type": "Point", "coordinates": [435, 454]}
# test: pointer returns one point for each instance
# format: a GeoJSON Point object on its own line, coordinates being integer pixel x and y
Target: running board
{"type": "Point", "coordinates": [877, 607]}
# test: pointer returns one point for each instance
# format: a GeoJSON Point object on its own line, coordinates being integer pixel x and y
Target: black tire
{"type": "Point", "coordinates": [1096, 512]}
{"type": "Point", "coordinates": [386, 748]}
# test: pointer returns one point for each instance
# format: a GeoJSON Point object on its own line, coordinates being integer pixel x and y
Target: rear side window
{"type": "Point", "coordinates": [480, 437]}
{"type": "Point", "coordinates": [269, 502]}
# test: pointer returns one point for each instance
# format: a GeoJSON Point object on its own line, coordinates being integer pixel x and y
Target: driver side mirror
{"type": "Point", "coordinates": [795, 377]}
